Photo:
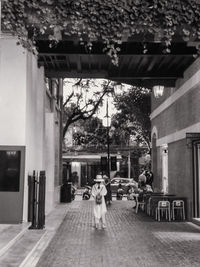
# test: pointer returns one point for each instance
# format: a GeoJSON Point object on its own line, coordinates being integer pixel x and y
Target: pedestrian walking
{"type": "Point", "coordinates": [98, 193]}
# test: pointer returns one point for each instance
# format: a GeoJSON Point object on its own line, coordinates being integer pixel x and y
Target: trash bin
{"type": "Point", "coordinates": [65, 193]}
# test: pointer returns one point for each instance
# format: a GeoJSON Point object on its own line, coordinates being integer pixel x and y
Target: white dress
{"type": "Point", "coordinates": [99, 209]}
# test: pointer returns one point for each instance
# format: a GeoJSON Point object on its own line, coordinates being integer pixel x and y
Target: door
{"type": "Point", "coordinates": [165, 169]}
{"type": "Point", "coordinates": [12, 160]}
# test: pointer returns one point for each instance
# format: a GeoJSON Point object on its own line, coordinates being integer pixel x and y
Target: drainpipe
{"type": "Point", "coordinates": [0, 18]}
{"type": "Point", "coordinates": [61, 127]}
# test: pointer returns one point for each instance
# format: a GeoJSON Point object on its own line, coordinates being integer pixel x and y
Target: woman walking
{"type": "Point", "coordinates": [98, 193]}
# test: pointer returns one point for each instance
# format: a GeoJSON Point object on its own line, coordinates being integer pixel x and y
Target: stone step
{"type": "Point", "coordinates": [21, 248]}
{"type": "Point", "coordinates": [10, 233]}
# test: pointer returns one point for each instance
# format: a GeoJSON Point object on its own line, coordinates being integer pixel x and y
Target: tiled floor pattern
{"type": "Point", "coordinates": [130, 240]}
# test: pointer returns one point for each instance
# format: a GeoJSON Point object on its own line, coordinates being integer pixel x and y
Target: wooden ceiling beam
{"type": "Point", "coordinates": [104, 74]}
{"type": "Point", "coordinates": [121, 56]}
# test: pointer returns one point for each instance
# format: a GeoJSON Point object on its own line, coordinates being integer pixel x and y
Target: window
{"type": "Point", "coordinates": [10, 170]}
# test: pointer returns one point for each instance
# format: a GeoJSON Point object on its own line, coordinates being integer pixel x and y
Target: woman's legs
{"type": "Point", "coordinates": [96, 221]}
{"type": "Point", "coordinates": [103, 218]}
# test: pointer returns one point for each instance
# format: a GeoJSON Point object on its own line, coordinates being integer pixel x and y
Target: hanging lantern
{"type": "Point", "coordinates": [158, 90]}
{"type": "Point", "coordinates": [118, 88]}
{"type": "Point", "coordinates": [106, 121]}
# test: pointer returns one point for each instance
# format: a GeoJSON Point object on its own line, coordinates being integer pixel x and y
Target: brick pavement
{"type": "Point", "coordinates": [129, 240]}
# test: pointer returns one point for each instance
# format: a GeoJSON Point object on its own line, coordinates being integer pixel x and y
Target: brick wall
{"type": "Point", "coordinates": [173, 119]}
{"type": "Point", "coordinates": [180, 172]}
{"type": "Point", "coordinates": [181, 114]}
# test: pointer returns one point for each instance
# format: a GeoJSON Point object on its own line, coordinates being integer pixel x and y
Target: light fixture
{"type": "Point", "coordinates": [106, 121]}
{"type": "Point", "coordinates": [158, 90]}
{"type": "Point", "coordinates": [118, 88]}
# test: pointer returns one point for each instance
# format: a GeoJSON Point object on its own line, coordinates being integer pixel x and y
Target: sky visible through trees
{"type": "Point", "coordinates": [97, 86]}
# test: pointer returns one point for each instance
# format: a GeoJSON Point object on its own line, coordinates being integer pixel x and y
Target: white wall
{"type": "Point", "coordinates": [49, 160]}
{"type": "Point", "coordinates": [35, 121]}
{"type": "Point", "coordinates": [12, 92]}
{"type": "Point", "coordinates": [22, 116]}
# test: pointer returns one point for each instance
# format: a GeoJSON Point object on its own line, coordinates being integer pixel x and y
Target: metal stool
{"type": "Point", "coordinates": [178, 205]}
{"type": "Point", "coordinates": [163, 207]}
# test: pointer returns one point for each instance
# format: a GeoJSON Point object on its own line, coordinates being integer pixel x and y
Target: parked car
{"type": "Point", "coordinates": [123, 181]}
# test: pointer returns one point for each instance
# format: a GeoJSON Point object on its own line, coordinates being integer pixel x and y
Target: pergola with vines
{"type": "Point", "coordinates": [106, 26]}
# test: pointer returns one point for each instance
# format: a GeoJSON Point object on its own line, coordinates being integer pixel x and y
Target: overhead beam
{"type": "Point", "coordinates": [104, 74]}
{"type": "Point", "coordinates": [120, 55]}
{"type": "Point", "coordinates": [74, 74]}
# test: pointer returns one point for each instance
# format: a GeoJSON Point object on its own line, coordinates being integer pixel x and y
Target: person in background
{"type": "Point", "coordinates": [75, 179]}
{"type": "Point", "coordinates": [130, 192]}
{"type": "Point", "coordinates": [98, 192]}
{"type": "Point", "coordinates": [119, 192]}
{"type": "Point", "coordinates": [142, 178]}
{"type": "Point", "coordinates": [108, 196]}
{"type": "Point", "coordinates": [149, 175]}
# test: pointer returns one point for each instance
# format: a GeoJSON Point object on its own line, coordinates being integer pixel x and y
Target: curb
{"type": "Point", "coordinates": [11, 242]}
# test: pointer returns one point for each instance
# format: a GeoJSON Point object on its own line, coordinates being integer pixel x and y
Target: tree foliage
{"type": "Point", "coordinates": [79, 105]}
{"type": "Point", "coordinates": [132, 118]}
{"type": "Point", "coordinates": [109, 21]}
{"type": "Point", "coordinates": [91, 134]}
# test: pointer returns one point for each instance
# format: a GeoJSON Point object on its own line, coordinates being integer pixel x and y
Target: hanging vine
{"type": "Point", "coordinates": [109, 21]}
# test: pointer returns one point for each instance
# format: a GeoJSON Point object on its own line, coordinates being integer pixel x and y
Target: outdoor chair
{"type": "Point", "coordinates": [178, 209]}
{"type": "Point", "coordinates": [139, 203]}
{"type": "Point", "coordinates": [163, 208]}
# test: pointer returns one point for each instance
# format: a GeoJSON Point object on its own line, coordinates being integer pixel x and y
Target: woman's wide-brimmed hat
{"type": "Point", "coordinates": [99, 178]}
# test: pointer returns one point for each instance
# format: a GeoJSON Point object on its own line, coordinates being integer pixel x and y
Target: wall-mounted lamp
{"type": "Point", "coordinates": [158, 90]}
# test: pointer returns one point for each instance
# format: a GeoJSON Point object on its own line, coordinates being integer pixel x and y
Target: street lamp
{"type": "Point", "coordinates": [107, 123]}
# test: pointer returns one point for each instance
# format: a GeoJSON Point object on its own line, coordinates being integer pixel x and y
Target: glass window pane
{"type": "Point", "coordinates": [9, 170]}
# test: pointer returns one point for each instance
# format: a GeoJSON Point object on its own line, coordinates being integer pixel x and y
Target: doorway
{"type": "Point", "coordinates": [165, 169]}
{"type": "Point", "coordinates": [12, 160]}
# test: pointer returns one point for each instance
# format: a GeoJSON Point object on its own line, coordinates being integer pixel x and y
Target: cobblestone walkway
{"type": "Point", "coordinates": [129, 240]}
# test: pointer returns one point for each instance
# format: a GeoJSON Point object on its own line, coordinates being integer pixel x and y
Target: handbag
{"type": "Point", "coordinates": [98, 198]}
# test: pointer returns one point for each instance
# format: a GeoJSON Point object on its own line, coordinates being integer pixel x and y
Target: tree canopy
{"type": "Point", "coordinates": [133, 116]}
{"type": "Point", "coordinates": [79, 104]}
{"type": "Point", "coordinates": [109, 21]}
{"type": "Point", "coordinates": [90, 134]}
{"type": "Point", "coordinates": [131, 122]}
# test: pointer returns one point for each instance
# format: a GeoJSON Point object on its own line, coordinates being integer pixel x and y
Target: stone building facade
{"type": "Point", "coordinates": [175, 121]}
